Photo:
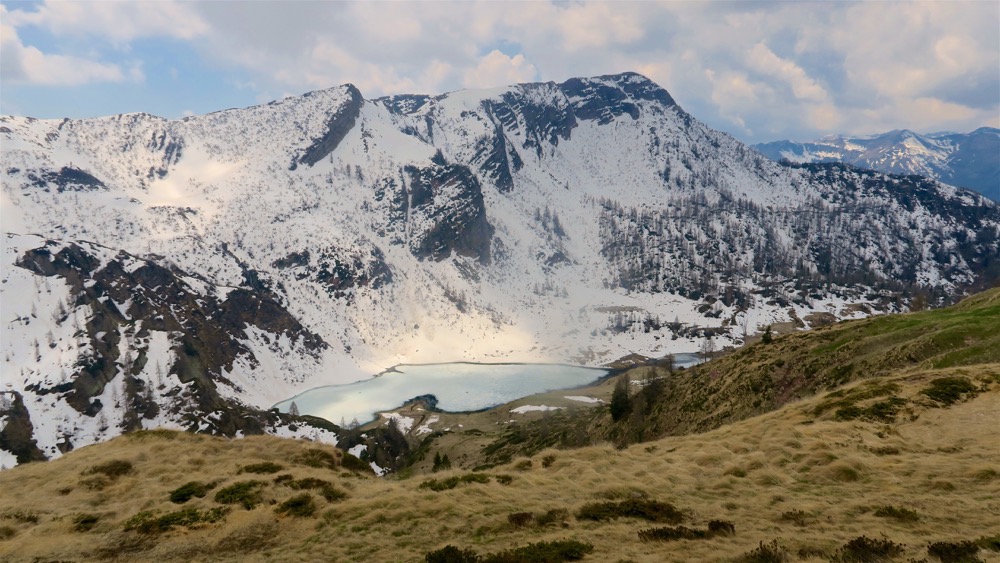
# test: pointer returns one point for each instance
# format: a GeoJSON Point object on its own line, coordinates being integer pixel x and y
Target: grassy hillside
{"type": "Point", "coordinates": [903, 454]}
{"type": "Point", "coordinates": [761, 378]}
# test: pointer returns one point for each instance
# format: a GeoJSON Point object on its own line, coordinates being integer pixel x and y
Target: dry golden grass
{"type": "Point", "coordinates": [812, 481]}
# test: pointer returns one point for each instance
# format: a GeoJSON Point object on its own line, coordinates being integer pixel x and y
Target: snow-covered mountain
{"type": "Point", "coordinates": [193, 272]}
{"type": "Point", "coordinates": [969, 160]}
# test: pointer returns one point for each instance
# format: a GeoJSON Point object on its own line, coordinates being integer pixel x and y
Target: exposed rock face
{"type": "Point", "coordinates": [446, 207]}
{"type": "Point", "coordinates": [126, 300]}
{"type": "Point", "coordinates": [339, 125]}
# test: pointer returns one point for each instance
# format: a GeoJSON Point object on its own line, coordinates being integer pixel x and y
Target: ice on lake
{"type": "Point", "coordinates": [456, 386]}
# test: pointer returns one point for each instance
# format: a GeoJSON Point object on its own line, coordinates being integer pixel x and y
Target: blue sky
{"type": "Point", "coordinates": [758, 70]}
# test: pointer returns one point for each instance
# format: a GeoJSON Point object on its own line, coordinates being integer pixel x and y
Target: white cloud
{"type": "Point", "coordinates": [763, 60]}
{"type": "Point", "coordinates": [771, 70]}
{"type": "Point", "coordinates": [498, 69]}
{"type": "Point", "coordinates": [21, 64]}
{"type": "Point", "coordinates": [118, 22]}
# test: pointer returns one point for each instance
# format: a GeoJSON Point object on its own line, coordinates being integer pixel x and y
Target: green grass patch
{"type": "Point", "coordinates": [947, 391]}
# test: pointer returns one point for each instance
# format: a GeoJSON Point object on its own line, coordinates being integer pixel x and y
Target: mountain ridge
{"type": "Point", "coordinates": [537, 222]}
{"type": "Point", "coordinates": [967, 160]}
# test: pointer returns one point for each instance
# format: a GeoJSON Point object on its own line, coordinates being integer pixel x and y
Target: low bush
{"type": "Point", "coordinates": [548, 460]}
{"type": "Point", "coordinates": [523, 465]}
{"type": "Point", "coordinates": [22, 516]}
{"type": "Point", "coordinates": [955, 552]}
{"type": "Point", "coordinates": [553, 516]}
{"type": "Point", "coordinates": [263, 468]}
{"type": "Point", "coordinates": [85, 522]}
{"type": "Point", "coordinates": [901, 514]}
{"type": "Point", "coordinates": [149, 523]}
{"type": "Point", "coordinates": [452, 554]}
{"type": "Point", "coordinates": [520, 519]}
{"type": "Point", "coordinates": [672, 534]}
{"type": "Point", "coordinates": [651, 510]}
{"type": "Point", "coordinates": [187, 491]}
{"type": "Point", "coordinates": [326, 489]}
{"type": "Point", "coordinates": [542, 552]}
{"type": "Point", "coordinates": [7, 532]}
{"type": "Point", "coordinates": [353, 463]}
{"type": "Point", "coordinates": [772, 552]}
{"type": "Point", "coordinates": [452, 482]}
{"type": "Point", "coordinates": [867, 550]}
{"type": "Point", "coordinates": [244, 493]}
{"type": "Point", "coordinates": [504, 479]}
{"type": "Point", "coordinates": [947, 391]}
{"type": "Point", "coordinates": [797, 517]}
{"type": "Point", "coordinates": [301, 505]}
{"type": "Point", "coordinates": [112, 469]}
{"type": "Point", "coordinates": [715, 528]}
{"type": "Point", "coordinates": [991, 543]}
{"type": "Point", "coordinates": [321, 459]}
{"type": "Point", "coordinates": [722, 527]}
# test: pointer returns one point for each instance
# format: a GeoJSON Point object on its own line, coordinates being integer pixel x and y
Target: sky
{"type": "Point", "coordinates": [760, 71]}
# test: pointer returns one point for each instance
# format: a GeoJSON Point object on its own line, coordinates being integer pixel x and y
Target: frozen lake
{"type": "Point", "coordinates": [457, 387]}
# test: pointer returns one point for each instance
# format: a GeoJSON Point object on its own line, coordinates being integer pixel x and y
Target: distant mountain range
{"type": "Point", "coordinates": [969, 160]}
{"type": "Point", "coordinates": [192, 273]}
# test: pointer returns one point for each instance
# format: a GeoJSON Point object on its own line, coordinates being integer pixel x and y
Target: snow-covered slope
{"type": "Point", "coordinates": [969, 160]}
{"type": "Point", "coordinates": [244, 256]}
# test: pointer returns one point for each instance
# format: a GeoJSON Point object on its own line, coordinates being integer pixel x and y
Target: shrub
{"type": "Point", "coordinates": [148, 523]}
{"type": "Point", "coordinates": [901, 514]}
{"type": "Point", "coordinates": [651, 510]}
{"type": "Point", "coordinates": [353, 463]}
{"type": "Point", "coordinates": [867, 550]}
{"type": "Point", "coordinates": [22, 516]}
{"type": "Point", "coordinates": [620, 404]}
{"type": "Point", "coordinates": [112, 469]}
{"type": "Point", "coordinates": [520, 519]}
{"type": "Point", "coordinates": [452, 554]}
{"type": "Point", "coordinates": [721, 528]}
{"type": "Point", "coordinates": [553, 516]}
{"type": "Point", "coordinates": [326, 488]}
{"type": "Point", "coordinates": [772, 552]}
{"type": "Point", "coordinates": [7, 532]}
{"type": "Point", "coordinates": [548, 460]}
{"type": "Point", "coordinates": [441, 462]}
{"type": "Point", "coordinates": [523, 465]}
{"type": "Point", "coordinates": [265, 467]}
{"type": "Point", "coordinates": [504, 479]}
{"type": "Point", "coordinates": [948, 390]}
{"type": "Point", "coordinates": [991, 543]}
{"type": "Point", "coordinates": [954, 552]}
{"type": "Point", "coordinates": [715, 528]}
{"type": "Point", "coordinates": [245, 493]}
{"type": "Point", "coordinates": [671, 534]}
{"type": "Point", "coordinates": [543, 552]}
{"type": "Point", "coordinates": [320, 459]}
{"type": "Point", "coordinates": [85, 522]}
{"type": "Point", "coordinates": [301, 505]}
{"type": "Point", "coordinates": [452, 482]}
{"type": "Point", "coordinates": [797, 517]}
{"type": "Point", "coordinates": [187, 491]}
